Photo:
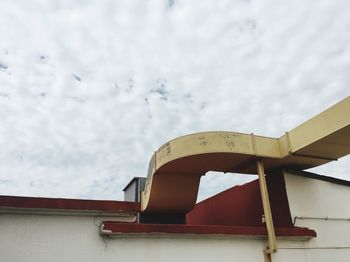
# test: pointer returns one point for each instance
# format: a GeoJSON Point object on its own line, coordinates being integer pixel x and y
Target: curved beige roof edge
{"type": "Point", "coordinates": [176, 167]}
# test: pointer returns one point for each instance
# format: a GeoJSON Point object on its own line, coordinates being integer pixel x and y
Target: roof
{"type": "Point", "coordinates": [63, 204]}
{"type": "Point", "coordinates": [319, 177]}
{"type": "Point", "coordinates": [241, 205]}
{"type": "Point", "coordinates": [132, 181]}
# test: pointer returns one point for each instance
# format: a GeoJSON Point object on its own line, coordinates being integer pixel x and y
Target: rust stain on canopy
{"type": "Point", "coordinates": [176, 167]}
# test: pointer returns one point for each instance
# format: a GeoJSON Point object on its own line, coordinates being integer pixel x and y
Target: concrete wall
{"type": "Point", "coordinates": [26, 238]}
{"type": "Point", "coordinates": [319, 199]}
{"type": "Point", "coordinates": [36, 238]}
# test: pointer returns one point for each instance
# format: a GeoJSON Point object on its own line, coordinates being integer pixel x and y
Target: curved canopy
{"type": "Point", "coordinates": [176, 167]}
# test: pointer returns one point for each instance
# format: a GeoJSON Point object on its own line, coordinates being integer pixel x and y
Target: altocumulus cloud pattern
{"type": "Point", "coordinates": [89, 89]}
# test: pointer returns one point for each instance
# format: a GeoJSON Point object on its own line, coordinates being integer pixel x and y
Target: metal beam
{"type": "Point", "coordinates": [321, 139]}
{"type": "Point", "coordinates": [272, 246]}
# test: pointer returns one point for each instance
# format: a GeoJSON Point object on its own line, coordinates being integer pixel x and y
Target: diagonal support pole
{"type": "Point", "coordinates": [272, 247]}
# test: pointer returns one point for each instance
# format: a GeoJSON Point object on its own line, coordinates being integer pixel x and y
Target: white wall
{"type": "Point", "coordinates": [25, 238]}
{"type": "Point", "coordinates": [36, 238]}
{"type": "Point", "coordinates": [315, 198]}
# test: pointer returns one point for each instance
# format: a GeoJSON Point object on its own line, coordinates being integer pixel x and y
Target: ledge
{"type": "Point", "coordinates": [124, 229]}
{"type": "Point", "coordinates": [16, 204]}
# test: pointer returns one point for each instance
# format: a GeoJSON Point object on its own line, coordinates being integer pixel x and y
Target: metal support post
{"type": "Point", "coordinates": [272, 247]}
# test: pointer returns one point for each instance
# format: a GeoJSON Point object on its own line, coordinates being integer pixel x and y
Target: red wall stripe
{"type": "Point", "coordinates": [68, 204]}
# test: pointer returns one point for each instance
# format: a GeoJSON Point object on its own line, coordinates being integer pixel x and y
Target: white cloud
{"type": "Point", "coordinates": [88, 89]}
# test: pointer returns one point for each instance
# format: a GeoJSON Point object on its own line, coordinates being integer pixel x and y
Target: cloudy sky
{"type": "Point", "coordinates": [89, 89]}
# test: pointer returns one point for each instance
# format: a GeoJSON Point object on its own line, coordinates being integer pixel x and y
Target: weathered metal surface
{"type": "Point", "coordinates": [271, 236]}
{"type": "Point", "coordinates": [176, 167]}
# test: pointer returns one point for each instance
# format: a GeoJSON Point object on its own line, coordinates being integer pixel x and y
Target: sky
{"type": "Point", "coordinates": [90, 89]}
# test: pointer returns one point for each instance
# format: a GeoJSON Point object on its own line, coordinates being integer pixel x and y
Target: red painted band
{"type": "Point", "coordinates": [68, 204]}
{"type": "Point", "coordinates": [115, 227]}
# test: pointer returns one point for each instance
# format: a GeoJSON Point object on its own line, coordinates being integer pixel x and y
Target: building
{"type": "Point", "coordinates": [287, 215]}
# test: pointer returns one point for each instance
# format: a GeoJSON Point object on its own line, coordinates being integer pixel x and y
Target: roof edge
{"type": "Point", "coordinates": [124, 229]}
{"type": "Point", "coordinates": [333, 180]}
{"type": "Point", "coordinates": [42, 203]}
